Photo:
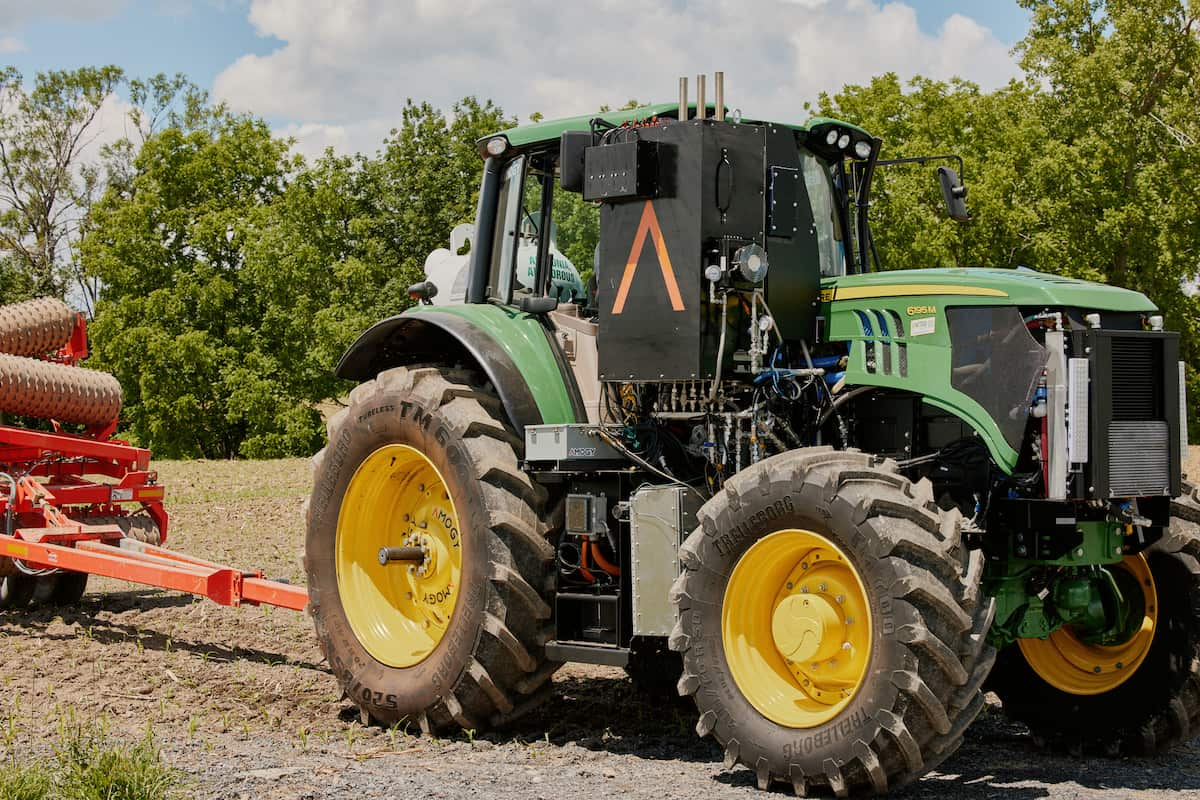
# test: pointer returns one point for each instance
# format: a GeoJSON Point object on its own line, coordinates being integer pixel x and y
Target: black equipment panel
{"type": "Point", "coordinates": [710, 197]}
{"type": "Point", "coordinates": [621, 170]}
{"type": "Point", "coordinates": [1134, 420]}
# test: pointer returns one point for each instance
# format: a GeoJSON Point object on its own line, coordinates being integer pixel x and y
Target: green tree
{"type": "Point", "coordinates": [999, 136]}
{"type": "Point", "coordinates": [425, 181]}
{"type": "Point", "coordinates": [46, 185]}
{"type": "Point", "coordinates": [234, 275]}
{"type": "Point", "coordinates": [178, 322]}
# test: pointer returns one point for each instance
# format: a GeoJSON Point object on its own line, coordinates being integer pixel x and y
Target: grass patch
{"type": "Point", "coordinates": [84, 768]}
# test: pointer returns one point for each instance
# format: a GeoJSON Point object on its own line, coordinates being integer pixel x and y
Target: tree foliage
{"type": "Point", "coordinates": [1089, 167]}
{"type": "Point", "coordinates": [235, 274]}
{"type": "Point", "coordinates": [46, 185]}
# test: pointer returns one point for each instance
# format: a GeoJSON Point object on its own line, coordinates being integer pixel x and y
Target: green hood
{"type": "Point", "coordinates": [1020, 287]}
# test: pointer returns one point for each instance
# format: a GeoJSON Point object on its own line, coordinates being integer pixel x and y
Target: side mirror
{"type": "Point", "coordinates": [423, 292]}
{"type": "Point", "coordinates": [954, 193]}
{"type": "Point", "coordinates": [570, 159]}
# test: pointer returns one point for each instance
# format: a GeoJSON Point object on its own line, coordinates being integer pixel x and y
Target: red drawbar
{"type": "Point", "coordinates": [155, 566]}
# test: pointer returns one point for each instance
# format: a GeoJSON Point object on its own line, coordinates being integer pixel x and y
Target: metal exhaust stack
{"type": "Point", "coordinates": [701, 110]}
{"type": "Point", "coordinates": [719, 91]}
{"type": "Point", "coordinates": [683, 98]}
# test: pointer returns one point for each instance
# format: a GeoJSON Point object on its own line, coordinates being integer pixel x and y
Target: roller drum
{"type": "Point", "coordinates": [46, 390]}
{"type": "Point", "coordinates": [35, 327]}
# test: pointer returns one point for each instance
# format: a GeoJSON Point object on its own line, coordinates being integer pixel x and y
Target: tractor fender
{"type": "Point", "coordinates": [449, 337]}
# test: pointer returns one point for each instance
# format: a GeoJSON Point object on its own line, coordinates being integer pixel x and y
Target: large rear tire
{"type": "Point", "coordinates": [1155, 706]}
{"type": "Point", "coordinates": [424, 458]}
{"type": "Point", "coordinates": [831, 624]}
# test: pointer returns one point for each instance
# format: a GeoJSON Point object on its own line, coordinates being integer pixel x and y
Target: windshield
{"type": "Point", "coordinates": [824, 210]}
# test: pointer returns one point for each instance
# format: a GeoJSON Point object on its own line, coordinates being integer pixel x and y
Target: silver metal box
{"type": "Point", "coordinates": [567, 443]}
{"type": "Point", "coordinates": [660, 517]}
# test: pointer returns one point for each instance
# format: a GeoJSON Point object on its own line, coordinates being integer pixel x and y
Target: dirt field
{"type": "Point", "coordinates": [241, 701]}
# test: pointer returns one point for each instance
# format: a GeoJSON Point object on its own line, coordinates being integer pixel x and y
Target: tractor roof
{"type": "Point", "coordinates": [542, 133]}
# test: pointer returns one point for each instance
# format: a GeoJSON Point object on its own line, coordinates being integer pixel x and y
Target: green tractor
{"type": "Point", "coordinates": [828, 503]}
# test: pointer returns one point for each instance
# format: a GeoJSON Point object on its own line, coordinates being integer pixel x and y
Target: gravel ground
{"type": "Point", "coordinates": [241, 702]}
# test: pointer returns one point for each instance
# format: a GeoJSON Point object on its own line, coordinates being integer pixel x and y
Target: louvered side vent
{"type": "Point", "coordinates": [1135, 370]}
{"type": "Point", "coordinates": [869, 361]}
{"type": "Point", "coordinates": [1138, 447]}
{"type": "Point", "coordinates": [884, 355]}
{"type": "Point", "coordinates": [1138, 462]}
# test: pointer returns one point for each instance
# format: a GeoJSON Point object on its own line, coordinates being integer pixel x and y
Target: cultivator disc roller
{"type": "Point", "coordinates": [36, 327]}
{"type": "Point", "coordinates": [46, 390]}
{"type": "Point", "coordinates": [41, 341]}
{"type": "Point", "coordinates": [79, 504]}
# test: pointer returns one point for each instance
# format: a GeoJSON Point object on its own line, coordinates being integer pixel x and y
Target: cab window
{"type": "Point", "coordinates": [504, 238]}
{"type": "Point", "coordinates": [830, 243]}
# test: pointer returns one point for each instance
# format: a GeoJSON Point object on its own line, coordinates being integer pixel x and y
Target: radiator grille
{"type": "Point", "coordinates": [1138, 459]}
{"type": "Point", "coordinates": [1136, 379]}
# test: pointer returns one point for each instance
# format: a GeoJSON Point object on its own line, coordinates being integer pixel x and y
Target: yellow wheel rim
{"type": "Point", "coordinates": [399, 610]}
{"type": "Point", "coordinates": [796, 627]}
{"type": "Point", "coordinates": [1076, 667]}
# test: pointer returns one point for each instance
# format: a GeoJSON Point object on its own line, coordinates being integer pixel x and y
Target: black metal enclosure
{"type": "Point", "coordinates": [1134, 411]}
{"type": "Point", "coordinates": [680, 197]}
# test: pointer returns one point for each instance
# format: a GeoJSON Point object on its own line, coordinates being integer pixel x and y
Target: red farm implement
{"type": "Point", "coordinates": [77, 502]}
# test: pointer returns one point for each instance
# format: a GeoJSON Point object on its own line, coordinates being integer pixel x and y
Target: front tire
{"type": "Point", "coordinates": [1154, 708]}
{"type": "Point", "coordinates": [831, 624]}
{"type": "Point", "coordinates": [423, 458]}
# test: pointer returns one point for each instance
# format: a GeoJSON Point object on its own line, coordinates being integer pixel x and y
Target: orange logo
{"type": "Point", "coordinates": [648, 225]}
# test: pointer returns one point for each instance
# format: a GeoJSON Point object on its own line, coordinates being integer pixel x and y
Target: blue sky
{"type": "Point", "coordinates": [145, 37]}
{"type": "Point", "coordinates": [333, 72]}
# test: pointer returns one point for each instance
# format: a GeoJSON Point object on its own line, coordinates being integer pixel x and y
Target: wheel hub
{"type": "Point", "coordinates": [399, 555]}
{"type": "Point", "coordinates": [1067, 661]}
{"type": "Point", "coordinates": [796, 628]}
{"type": "Point", "coordinates": [807, 628]}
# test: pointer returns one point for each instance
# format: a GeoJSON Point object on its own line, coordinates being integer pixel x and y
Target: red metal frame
{"type": "Point", "coordinates": [56, 490]}
{"type": "Point", "coordinates": [56, 483]}
{"type": "Point", "coordinates": [59, 480]}
{"type": "Point", "coordinates": [76, 348]}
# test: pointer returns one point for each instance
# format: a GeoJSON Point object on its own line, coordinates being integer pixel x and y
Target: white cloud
{"type": "Point", "coordinates": [11, 44]}
{"type": "Point", "coordinates": [347, 66]}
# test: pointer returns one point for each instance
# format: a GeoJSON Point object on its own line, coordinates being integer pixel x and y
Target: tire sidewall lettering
{"type": "Point", "coordinates": [728, 536]}
{"type": "Point", "coordinates": [392, 416]}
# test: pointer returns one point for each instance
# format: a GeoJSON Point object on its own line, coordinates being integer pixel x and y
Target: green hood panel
{"type": "Point", "coordinates": [1017, 287]}
{"type": "Point", "coordinates": [897, 329]}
